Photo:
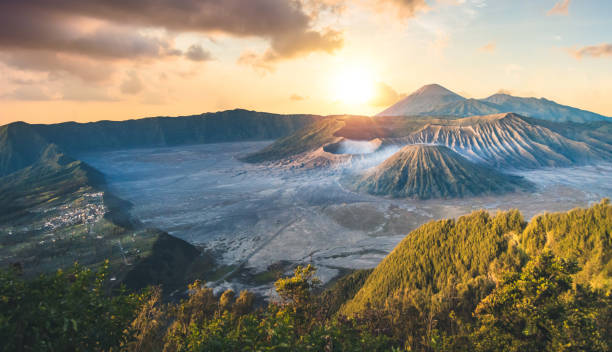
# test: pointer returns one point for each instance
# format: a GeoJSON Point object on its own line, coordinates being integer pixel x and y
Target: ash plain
{"type": "Point", "coordinates": [258, 219]}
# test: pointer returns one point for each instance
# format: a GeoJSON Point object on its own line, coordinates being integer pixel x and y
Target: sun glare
{"type": "Point", "coordinates": [354, 86]}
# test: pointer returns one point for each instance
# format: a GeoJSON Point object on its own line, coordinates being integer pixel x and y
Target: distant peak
{"type": "Point", "coordinates": [500, 95]}
{"type": "Point", "coordinates": [434, 89]}
{"type": "Point", "coordinates": [432, 86]}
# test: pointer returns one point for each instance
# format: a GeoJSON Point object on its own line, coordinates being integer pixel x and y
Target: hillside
{"type": "Point", "coordinates": [580, 234]}
{"type": "Point", "coordinates": [509, 141]}
{"type": "Point", "coordinates": [542, 108]}
{"type": "Point", "coordinates": [53, 176]}
{"type": "Point", "coordinates": [504, 140]}
{"type": "Point", "coordinates": [472, 251]}
{"type": "Point", "coordinates": [307, 139]}
{"type": "Point", "coordinates": [438, 253]}
{"type": "Point", "coordinates": [434, 171]}
{"type": "Point", "coordinates": [326, 132]}
{"type": "Point", "coordinates": [464, 108]}
{"type": "Point", "coordinates": [435, 100]}
{"type": "Point", "coordinates": [22, 144]}
{"type": "Point", "coordinates": [224, 126]}
{"type": "Point", "coordinates": [57, 211]}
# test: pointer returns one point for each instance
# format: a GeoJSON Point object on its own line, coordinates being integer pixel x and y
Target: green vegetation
{"type": "Point", "coordinates": [56, 212]}
{"type": "Point", "coordinates": [343, 290]}
{"type": "Point", "coordinates": [68, 311]}
{"type": "Point", "coordinates": [478, 283]}
{"type": "Point", "coordinates": [580, 234]}
{"type": "Point", "coordinates": [439, 255]}
{"type": "Point", "coordinates": [53, 176]}
{"type": "Point", "coordinates": [439, 277]}
{"type": "Point", "coordinates": [539, 310]}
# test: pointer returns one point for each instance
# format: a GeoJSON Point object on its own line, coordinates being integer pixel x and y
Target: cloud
{"type": "Point", "coordinates": [256, 61]}
{"type": "Point", "coordinates": [292, 45]}
{"type": "Point", "coordinates": [58, 65]}
{"type": "Point", "coordinates": [504, 91]}
{"type": "Point", "coordinates": [296, 97]}
{"type": "Point", "coordinates": [80, 92]}
{"type": "Point", "coordinates": [405, 8]}
{"type": "Point", "coordinates": [28, 93]}
{"type": "Point", "coordinates": [36, 30]}
{"type": "Point", "coordinates": [131, 84]}
{"type": "Point", "coordinates": [285, 24]}
{"type": "Point", "coordinates": [196, 53]}
{"type": "Point", "coordinates": [489, 47]}
{"type": "Point", "coordinates": [384, 95]}
{"type": "Point", "coordinates": [560, 8]}
{"type": "Point", "coordinates": [70, 89]}
{"type": "Point", "coordinates": [601, 50]}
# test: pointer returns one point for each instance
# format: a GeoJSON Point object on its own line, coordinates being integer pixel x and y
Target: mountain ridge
{"type": "Point", "coordinates": [508, 140]}
{"type": "Point", "coordinates": [22, 144]}
{"type": "Point", "coordinates": [431, 102]}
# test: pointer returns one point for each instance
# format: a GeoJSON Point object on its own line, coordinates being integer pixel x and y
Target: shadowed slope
{"type": "Point", "coordinates": [543, 109]}
{"type": "Point", "coordinates": [307, 139]}
{"type": "Point", "coordinates": [22, 144]}
{"type": "Point", "coordinates": [52, 176]}
{"type": "Point", "coordinates": [433, 171]}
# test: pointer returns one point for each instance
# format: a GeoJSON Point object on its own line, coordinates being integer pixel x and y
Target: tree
{"type": "Point", "coordinates": [298, 288]}
{"type": "Point", "coordinates": [69, 310]}
{"type": "Point", "coordinates": [226, 300]}
{"type": "Point", "coordinates": [538, 310]}
{"type": "Point", "coordinates": [244, 302]}
{"type": "Point", "coordinates": [150, 322]}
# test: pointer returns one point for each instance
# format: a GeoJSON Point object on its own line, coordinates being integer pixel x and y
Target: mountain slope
{"type": "Point", "coordinates": [500, 140]}
{"type": "Point", "coordinates": [542, 108]}
{"type": "Point", "coordinates": [581, 234]}
{"type": "Point", "coordinates": [56, 212]}
{"type": "Point", "coordinates": [224, 126]}
{"type": "Point", "coordinates": [304, 140]}
{"type": "Point", "coordinates": [22, 144]}
{"type": "Point", "coordinates": [510, 141]}
{"type": "Point", "coordinates": [435, 100]}
{"type": "Point", "coordinates": [434, 171]}
{"type": "Point", "coordinates": [467, 107]}
{"type": "Point", "coordinates": [471, 253]}
{"type": "Point", "coordinates": [422, 101]}
{"type": "Point", "coordinates": [437, 254]}
{"type": "Point", "coordinates": [52, 176]}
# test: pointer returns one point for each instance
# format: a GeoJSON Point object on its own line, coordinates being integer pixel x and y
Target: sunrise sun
{"type": "Point", "coordinates": [353, 86]}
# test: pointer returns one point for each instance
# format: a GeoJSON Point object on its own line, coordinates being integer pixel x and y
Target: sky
{"type": "Point", "coordinates": [74, 60]}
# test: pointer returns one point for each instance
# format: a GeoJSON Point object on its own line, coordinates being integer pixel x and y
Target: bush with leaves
{"type": "Point", "coordinates": [539, 310]}
{"type": "Point", "coordinates": [66, 311]}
